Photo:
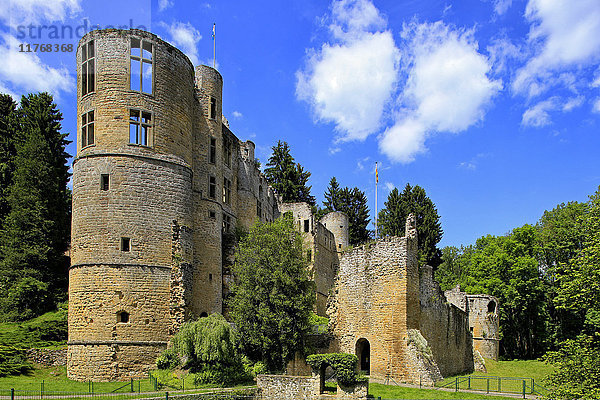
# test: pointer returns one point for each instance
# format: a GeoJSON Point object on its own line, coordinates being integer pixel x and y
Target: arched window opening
{"type": "Point", "coordinates": [363, 352]}
{"type": "Point", "coordinates": [203, 315]}
{"type": "Point", "coordinates": [492, 307]}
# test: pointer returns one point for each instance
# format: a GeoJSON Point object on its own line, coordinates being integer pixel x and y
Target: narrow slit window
{"type": "Point", "coordinates": [87, 129]}
{"type": "Point", "coordinates": [141, 68]}
{"type": "Point", "coordinates": [212, 187]}
{"type": "Point", "coordinates": [88, 74]}
{"type": "Point", "coordinates": [306, 225]}
{"type": "Point", "coordinates": [213, 108]}
{"type": "Point", "coordinates": [104, 182]}
{"type": "Point", "coordinates": [125, 244]}
{"type": "Point", "coordinates": [212, 152]}
{"type": "Point", "coordinates": [226, 191]}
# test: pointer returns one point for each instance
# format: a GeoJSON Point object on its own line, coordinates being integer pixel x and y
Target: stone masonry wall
{"type": "Point", "coordinates": [371, 302]}
{"type": "Point", "coordinates": [445, 327]}
{"type": "Point", "coordinates": [285, 387]}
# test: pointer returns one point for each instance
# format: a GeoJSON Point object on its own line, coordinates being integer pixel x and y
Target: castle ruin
{"type": "Point", "coordinates": [160, 183]}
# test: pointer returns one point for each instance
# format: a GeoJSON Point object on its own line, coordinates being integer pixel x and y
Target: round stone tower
{"type": "Point", "coordinates": [132, 180]}
{"type": "Point", "coordinates": [337, 223]}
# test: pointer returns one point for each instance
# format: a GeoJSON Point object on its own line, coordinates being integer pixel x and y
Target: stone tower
{"type": "Point", "coordinates": [132, 177]}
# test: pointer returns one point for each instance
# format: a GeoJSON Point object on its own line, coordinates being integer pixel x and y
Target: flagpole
{"type": "Point", "coordinates": [376, 181]}
{"type": "Point", "coordinates": [214, 46]}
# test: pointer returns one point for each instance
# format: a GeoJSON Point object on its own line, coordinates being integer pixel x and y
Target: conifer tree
{"type": "Point", "coordinates": [353, 202]}
{"type": "Point", "coordinates": [332, 194]}
{"type": "Point", "coordinates": [392, 219]}
{"type": "Point", "coordinates": [288, 178]}
{"type": "Point", "coordinates": [7, 149]}
{"type": "Point", "coordinates": [35, 234]}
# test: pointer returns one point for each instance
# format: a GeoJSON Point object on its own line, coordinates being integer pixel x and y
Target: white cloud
{"type": "Point", "coordinates": [389, 186]}
{"type": "Point", "coordinates": [348, 82]}
{"type": "Point", "coordinates": [237, 114]}
{"type": "Point", "coordinates": [334, 150]}
{"type": "Point", "coordinates": [501, 6]}
{"type": "Point", "coordinates": [563, 34]}
{"type": "Point", "coordinates": [538, 115]}
{"type": "Point", "coordinates": [25, 12]}
{"type": "Point", "coordinates": [447, 89]}
{"type": "Point", "coordinates": [596, 106]}
{"type": "Point", "coordinates": [502, 52]}
{"type": "Point", "coordinates": [164, 4]}
{"type": "Point", "coordinates": [25, 72]}
{"type": "Point", "coordinates": [572, 103]}
{"type": "Point", "coordinates": [596, 82]}
{"type": "Point", "coordinates": [185, 37]}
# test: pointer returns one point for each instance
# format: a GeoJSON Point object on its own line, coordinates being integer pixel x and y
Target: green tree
{"type": "Point", "coordinates": [288, 178]}
{"type": "Point", "coordinates": [332, 196]}
{"type": "Point", "coordinates": [210, 347]}
{"type": "Point", "coordinates": [353, 202]}
{"type": "Point", "coordinates": [392, 220]}
{"type": "Point", "coordinates": [577, 361]}
{"type": "Point", "coordinates": [35, 233]}
{"type": "Point", "coordinates": [7, 150]}
{"type": "Point", "coordinates": [561, 236]}
{"type": "Point", "coordinates": [272, 296]}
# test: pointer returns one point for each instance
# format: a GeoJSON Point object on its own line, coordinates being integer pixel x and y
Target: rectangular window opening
{"type": "Point", "coordinates": [212, 153]}
{"type": "Point", "coordinates": [226, 191]}
{"type": "Point", "coordinates": [87, 129]}
{"type": "Point", "coordinates": [104, 182]}
{"type": "Point", "coordinates": [125, 244]}
{"type": "Point", "coordinates": [87, 68]}
{"type": "Point", "coordinates": [212, 187]}
{"type": "Point", "coordinates": [306, 225]}
{"type": "Point", "coordinates": [212, 215]}
{"type": "Point", "coordinates": [140, 127]}
{"type": "Point", "coordinates": [213, 108]}
{"type": "Point", "coordinates": [141, 67]}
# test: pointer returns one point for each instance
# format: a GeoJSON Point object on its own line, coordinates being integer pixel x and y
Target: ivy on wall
{"type": "Point", "coordinates": [344, 364]}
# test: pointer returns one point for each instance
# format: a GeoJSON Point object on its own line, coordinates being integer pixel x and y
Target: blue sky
{"type": "Point", "coordinates": [492, 106]}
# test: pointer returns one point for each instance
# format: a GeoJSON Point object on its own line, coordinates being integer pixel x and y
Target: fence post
{"type": "Point", "coordinates": [166, 395]}
{"type": "Point", "coordinates": [131, 382]}
{"type": "Point", "coordinates": [12, 394]}
{"type": "Point", "coordinates": [499, 384]}
{"type": "Point", "coordinates": [469, 383]}
{"type": "Point", "coordinates": [41, 389]}
{"type": "Point", "coordinates": [523, 388]}
{"type": "Point", "coordinates": [532, 385]}
{"type": "Point", "coordinates": [456, 384]}
{"type": "Point", "coordinates": [488, 385]}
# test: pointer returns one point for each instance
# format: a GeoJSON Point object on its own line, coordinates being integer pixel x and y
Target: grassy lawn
{"type": "Point", "coordinates": [399, 392]}
{"type": "Point", "coordinates": [532, 369]}
{"type": "Point", "coordinates": [55, 379]}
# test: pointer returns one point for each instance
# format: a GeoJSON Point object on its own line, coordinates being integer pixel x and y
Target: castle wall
{"type": "Point", "coordinates": [483, 320]}
{"type": "Point", "coordinates": [445, 327]}
{"type": "Point", "coordinates": [376, 298]}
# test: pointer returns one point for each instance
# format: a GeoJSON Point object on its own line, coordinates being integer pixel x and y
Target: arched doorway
{"type": "Point", "coordinates": [363, 352]}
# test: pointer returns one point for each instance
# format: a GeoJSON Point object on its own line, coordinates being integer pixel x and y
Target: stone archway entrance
{"type": "Point", "coordinates": [363, 352]}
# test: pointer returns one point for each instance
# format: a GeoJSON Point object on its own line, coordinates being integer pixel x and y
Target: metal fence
{"type": "Point", "coordinates": [15, 394]}
{"type": "Point", "coordinates": [498, 384]}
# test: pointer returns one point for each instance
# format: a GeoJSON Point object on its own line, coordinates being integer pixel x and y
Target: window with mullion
{"type": "Point", "coordinates": [141, 65]}
{"type": "Point", "coordinates": [140, 127]}
{"type": "Point", "coordinates": [87, 129]}
{"type": "Point", "coordinates": [88, 73]}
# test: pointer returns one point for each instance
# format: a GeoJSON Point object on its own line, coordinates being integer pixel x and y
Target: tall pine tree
{"type": "Point", "coordinates": [7, 150]}
{"type": "Point", "coordinates": [392, 219]}
{"type": "Point", "coordinates": [35, 235]}
{"type": "Point", "coordinates": [352, 202]}
{"type": "Point", "coordinates": [288, 178]}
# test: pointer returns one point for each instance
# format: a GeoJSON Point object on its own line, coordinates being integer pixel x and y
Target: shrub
{"type": "Point", "coordinates": [167, 360]}
{"type": "Point", "coordinates": [343, 364]}
{"type": "Point", "coordinates": [13, 361]}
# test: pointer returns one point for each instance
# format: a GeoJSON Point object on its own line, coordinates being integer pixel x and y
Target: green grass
{"type": "Point", "coordinates": [46, 331]}
{"type": "Point", "coordinates": [400, 392]}
{"type": "Point", "coordinates": [531, 369]}
{"type": "Point", "coordinates": [55, 379]}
